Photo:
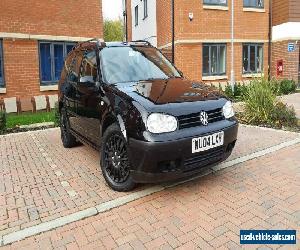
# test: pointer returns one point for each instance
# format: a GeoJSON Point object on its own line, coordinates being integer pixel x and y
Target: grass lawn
{"type": "Point", "coordinates": [14, 120]}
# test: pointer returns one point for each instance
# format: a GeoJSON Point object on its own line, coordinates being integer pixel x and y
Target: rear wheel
{"type": "Point", "coordinates": [114, 160]}
{"type": "Point", "coordinates": [67, 138]}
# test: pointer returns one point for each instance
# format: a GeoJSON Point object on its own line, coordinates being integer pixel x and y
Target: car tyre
{"type": "Point", "coordinates": [114, 160]}
{"type": "Point", "coordinates": [68, 140]}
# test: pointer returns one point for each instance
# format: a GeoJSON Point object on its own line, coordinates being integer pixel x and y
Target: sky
{"type": "Point", "coordinates": [112, 9]}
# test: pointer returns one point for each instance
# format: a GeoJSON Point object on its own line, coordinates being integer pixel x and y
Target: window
{"type": "Point", "coordinates": [215, 2]}
{"type": "Point", "coordinates": [145, 9]}
{"type": "Point", "coordinates": [214, 59]}
{"type": "Point", "coordinates": [252, 58]}
{"type": "Point", "coordinates": [52, 57]}
{"type": "Point", "coordinates": [254, 3]}
{"type": "Point", "coordinates": [89, 67]}
{"type": "Point", "coordinates": [136, 15]}
{"type": "Point", "coordinates": [1, 66]}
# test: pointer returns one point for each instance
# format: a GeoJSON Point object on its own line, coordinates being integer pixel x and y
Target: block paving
{"type": "Point", "coordinates": [41, 181]}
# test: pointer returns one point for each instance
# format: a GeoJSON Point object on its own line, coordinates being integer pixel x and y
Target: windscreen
{"type": "Point", "coordinates": [132, 64]}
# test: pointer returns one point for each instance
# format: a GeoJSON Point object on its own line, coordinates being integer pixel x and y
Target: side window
{"type": "Point", "coordinates": [66, 67]}
{"type": "Point", "coordinates": [88, 72]}
{"type": "Point", "coordinates": [75, 67]}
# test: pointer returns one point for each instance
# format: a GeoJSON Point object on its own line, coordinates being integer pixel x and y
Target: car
{"type": "Point", "coordinates": [149, 123]}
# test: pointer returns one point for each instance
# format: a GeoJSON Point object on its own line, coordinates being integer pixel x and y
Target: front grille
{"type": "Point", "coordinates": [203, 159]}
{"type": "Point", "coordinates": [193, 120]}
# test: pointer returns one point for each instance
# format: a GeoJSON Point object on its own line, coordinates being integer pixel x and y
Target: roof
{"type": "Point", "coordinates": [101, 44]}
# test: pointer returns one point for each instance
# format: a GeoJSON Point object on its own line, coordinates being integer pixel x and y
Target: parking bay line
{"type": "Point", "coordinates": [106, 206]}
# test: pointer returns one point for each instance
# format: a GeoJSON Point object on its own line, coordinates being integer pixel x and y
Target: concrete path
{"type": "Point", "coordinates": [293, 100]}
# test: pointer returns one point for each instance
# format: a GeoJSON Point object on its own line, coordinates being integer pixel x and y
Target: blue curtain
{"type": "Point", "coordinates": [45, 62]}
{"type": "Point", "coordinates": [58, 60]}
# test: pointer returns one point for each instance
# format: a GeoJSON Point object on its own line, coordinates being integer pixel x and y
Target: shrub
{"type": "Point", "coordinates": [238, 94]}
{"type": "Point", "coordinates": [262, 107]}
{"type": "Point", "coordinates": [284, 116]}
{"type": "Point", "coordinates": [56, 115]}
{"type": "Point", "coordinates": [287, 86]}
{"type": "Point", "coordinates": [2, 122]}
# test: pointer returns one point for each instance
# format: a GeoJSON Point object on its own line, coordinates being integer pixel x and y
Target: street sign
{"type": "Point", "coordinates": [291, 47]}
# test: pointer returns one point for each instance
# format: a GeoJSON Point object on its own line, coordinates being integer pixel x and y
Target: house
{"type": "Point", "coordinates": [285, 39]}
{"type": "Point", "coordinates": [203, 37]}
{"type": "Point", "coordinates": [35, 37]}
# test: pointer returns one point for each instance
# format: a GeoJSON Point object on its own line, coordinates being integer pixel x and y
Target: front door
{"type": "Point", "coordinates": [89, 109]}
{"type": "Point", "coordinates": [71, 98]}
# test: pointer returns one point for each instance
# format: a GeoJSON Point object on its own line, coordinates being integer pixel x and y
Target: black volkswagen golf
{"type": "Point", "coordinates": [149, 123]}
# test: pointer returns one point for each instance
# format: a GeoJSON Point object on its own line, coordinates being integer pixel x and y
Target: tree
{"type": "Point", "coordinates": [113, 30]}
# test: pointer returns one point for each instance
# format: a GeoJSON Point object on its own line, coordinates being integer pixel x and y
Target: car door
{"type": "Point", "coordinates": [71, 96]}
{"type": "Point", "coordinates": [89, 104]}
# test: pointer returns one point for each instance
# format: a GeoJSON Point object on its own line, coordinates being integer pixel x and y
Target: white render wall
{"type": "Point", "coordinates": [147, 28]}
{"type": "Point", "coordinates": [286, 31]}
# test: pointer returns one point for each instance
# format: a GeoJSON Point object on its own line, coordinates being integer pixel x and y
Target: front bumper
{"type": "Point", "coordinates": [153, 162]}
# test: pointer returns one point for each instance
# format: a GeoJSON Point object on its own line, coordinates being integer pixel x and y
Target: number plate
{"type": "Point", "coordinates": [207, 142]}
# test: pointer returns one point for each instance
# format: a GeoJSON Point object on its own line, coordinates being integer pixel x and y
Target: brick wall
{"type": "Point", "coordinates": [209, 23]}
{"type": "Point", "coordinates": [50, 18]}
{"type": "Point", "coordinates": [188, 58]}
{"type": "Point", "coordinates": [164, 26]}
{"type": "Point", "coordinates": [290, 60]}
{"type": "Point", "coordinates": [21, 67]}
{"type": "Point", "coordinates": [56, 17]}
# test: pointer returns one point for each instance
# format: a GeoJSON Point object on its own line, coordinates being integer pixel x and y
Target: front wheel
{"type": "Point", "coordinates": [114, 160]}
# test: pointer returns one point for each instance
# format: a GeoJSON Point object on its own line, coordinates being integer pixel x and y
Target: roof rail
{"type": "Point", "coordinates": [97, 40]}
{"type": "Point", "coordinates": [141, 41]}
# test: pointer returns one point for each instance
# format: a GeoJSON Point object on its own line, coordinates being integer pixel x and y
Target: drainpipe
{"type": "Point", "coordinates": [232, 79]}
{"type": "Point", "coordinates": [173, 31]}
{"type": "Point", "coordinates": [270, 41]}
{"type": "Point", "coordinates": [125, 20]}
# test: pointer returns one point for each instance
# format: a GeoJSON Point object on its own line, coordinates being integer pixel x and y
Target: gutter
{"type": "Point", "coordinates": [270, 40]}
{"type": "Point", "coordinates": [173, 31]}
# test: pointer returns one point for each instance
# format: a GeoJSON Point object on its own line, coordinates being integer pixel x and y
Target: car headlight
{"type": "Point", "coordinates": [161, 123]}
{"type": "Point", "coordinates": [228, 111]}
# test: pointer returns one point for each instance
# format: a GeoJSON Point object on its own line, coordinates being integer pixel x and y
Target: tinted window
{"type": "Point", "coordinates": [75, 67]}
{"type": "Point", "coordinates": [89, 67]}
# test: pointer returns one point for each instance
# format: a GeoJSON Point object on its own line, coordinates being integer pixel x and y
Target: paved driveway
{"type": "Point", "coordinates": [293, 100]}
{"type": "Point", "coordinates": [41, 181]}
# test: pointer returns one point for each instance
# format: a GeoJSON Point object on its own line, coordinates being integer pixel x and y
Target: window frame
{"type": "Point", "coordinates": [210, 45]}
{"type": "Point", "coordinates": [256, 6]}
{"type": "Point", "coordinates": [256, 45]}
{"type": "Point", "coordinates": [145, 9]}
{"type": "Point", "coordinates": [215, 4]}
{"type": "Point", "coordinates": [52, 65]}
{"type": "Point", "coordinates": [136, 15]}
{"type": "Point", "coordinates": [2, 84]}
